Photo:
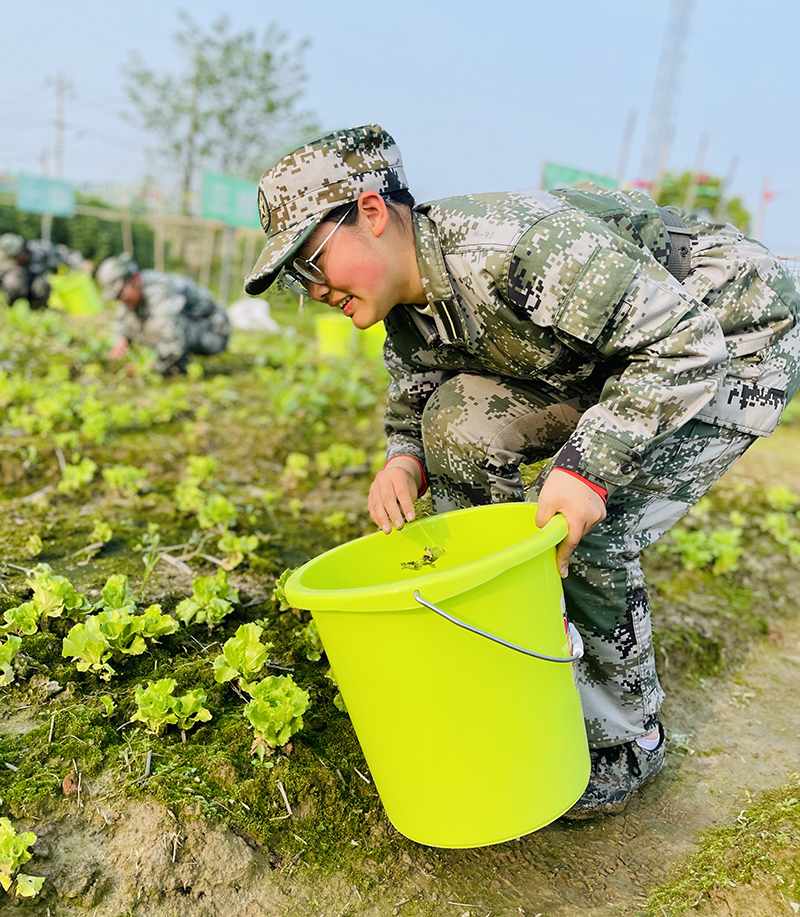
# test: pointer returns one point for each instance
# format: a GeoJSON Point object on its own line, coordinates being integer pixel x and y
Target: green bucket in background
{"type": "Point", "coordinates": [74, 292]}
{"type": "Point", "coordinates": [336, 336]}
{"type": "Point", "coordinates": [470, 739]}
{"type": "Point", "coordinates": [371, 341]}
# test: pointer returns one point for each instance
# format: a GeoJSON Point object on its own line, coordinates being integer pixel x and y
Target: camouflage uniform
{"type": "Point", "coordinates": [177, 318]}
{"type": "Point", "coordinates": [553, 329]}
{"type": "Point", "coordinates": [29, 281]}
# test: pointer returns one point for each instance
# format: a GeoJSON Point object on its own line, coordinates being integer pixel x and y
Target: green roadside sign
{"type": "Point", "coordinates": [558, 176]}
{"type": "Point", "coordinates": [45, 195]}
{"type": "Point", "coordinates": [230, 200]}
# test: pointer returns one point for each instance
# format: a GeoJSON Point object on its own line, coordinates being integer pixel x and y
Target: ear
{"type": "Point", "coordinates": [373, 210]}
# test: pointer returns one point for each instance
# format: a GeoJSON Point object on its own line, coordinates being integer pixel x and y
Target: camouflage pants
{"type": "Point", "coordinates": [20, 283]}
{"type": "Point", "coordinates": [477, 430]}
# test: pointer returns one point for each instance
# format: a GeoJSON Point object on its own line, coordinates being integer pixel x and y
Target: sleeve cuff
{"type": "Point", "coordinates": [424, 486]}
{"type": "Point", "coordinates": [600, 491]}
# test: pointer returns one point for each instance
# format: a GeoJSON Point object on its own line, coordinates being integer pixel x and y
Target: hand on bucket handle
{"type": "Point", "coordinates": [575, 638]}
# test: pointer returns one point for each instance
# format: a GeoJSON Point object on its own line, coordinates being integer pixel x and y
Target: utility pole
{"type": "Point", "coordinates": [661, 125]}
{"type": "Point", "coordinates": [62, 87]}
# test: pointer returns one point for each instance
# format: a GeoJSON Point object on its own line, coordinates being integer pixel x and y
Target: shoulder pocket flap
{"type": "Point", "coordinates": [596, 294]}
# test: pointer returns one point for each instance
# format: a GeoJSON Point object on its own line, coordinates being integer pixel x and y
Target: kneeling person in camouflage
{"type": "Point", "coordinates": [168, 312]}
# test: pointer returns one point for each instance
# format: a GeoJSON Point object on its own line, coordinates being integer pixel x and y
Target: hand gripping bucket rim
{"type": "Point", "coordinates": [469, 742]}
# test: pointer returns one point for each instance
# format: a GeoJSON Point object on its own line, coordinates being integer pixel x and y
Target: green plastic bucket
{"type": "Point", "coordinates": [335, 336]}
{"type": "Point", "coordinates": [470, 740]}
{"type": "Point", "coordinates": [75, 292]}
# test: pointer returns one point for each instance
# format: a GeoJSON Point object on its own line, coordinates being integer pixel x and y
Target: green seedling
{"type": "Point", "coordinates": [278, 590]}
{"type": "Point", "coordinates": [216, 511]}
{"type": "Point", "coordinates": [157, 707]}
{"type": "Point", "coordinates": [75, 477]}
{"type": "Point", "coordinates": [8, 650]}
{"type": "Point", "coordinates": [211, 601]}
{"type": "Point", "coordinates": [339, 458]}
{"type": "Point", "coordinates": [430, 555]}
{"type": "Point", "coordinates": [13, 853]}
{"type": "Point", "coordinates": [275, 711]}
{"type": "Point", "coordinates": [55, 596]}
{"type": "Point", "coordinates": [24, 619]}
{"type": "Point", "coordinates": [243, 656]}
{"type": "Point", "coordinates": [114, 634]}
{"type": "Point", "coordinates": [236, 548]}
{"type": "Point", "coordinates": [101, 533]}
{"type": "Point", "coordinates": [310, 637]}
{"type": "Point", "coordinates": [126, 479]}
{"type": "Point", "coordinates": [33, 546]}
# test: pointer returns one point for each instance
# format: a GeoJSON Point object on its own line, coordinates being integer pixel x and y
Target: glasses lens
{"type": "Point", "coordinates": [309, 270]}
{"type": "Point", "coordinates": [294, 283]}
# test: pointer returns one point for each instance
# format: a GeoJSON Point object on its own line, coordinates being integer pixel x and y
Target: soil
{"type": "Point", "coordinates": [113, 846]}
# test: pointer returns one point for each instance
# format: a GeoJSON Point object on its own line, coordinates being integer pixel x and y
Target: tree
{"type": "Point", "coordinates": [705, 195]}
{"type": "Point", "coordinates": [232, 106]}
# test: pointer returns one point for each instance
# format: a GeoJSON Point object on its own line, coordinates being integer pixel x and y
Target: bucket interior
{"type": "Point", "coordinates": [476, 544]}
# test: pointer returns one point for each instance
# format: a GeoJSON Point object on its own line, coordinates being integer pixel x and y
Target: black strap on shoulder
{"type": "Point", "coordinates": [680, 255]}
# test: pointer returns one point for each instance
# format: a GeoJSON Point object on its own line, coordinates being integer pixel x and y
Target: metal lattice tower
{"type": "Point", "coordinates": [661, 126]}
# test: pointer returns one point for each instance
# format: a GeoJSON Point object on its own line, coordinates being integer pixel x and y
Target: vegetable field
{"type": "Point", "coordinates": [172, 740]}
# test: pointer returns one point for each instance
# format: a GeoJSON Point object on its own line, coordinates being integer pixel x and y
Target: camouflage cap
{"type": "Point", "coordinates": [112, 274]}
{"type": "Point", "coordinates": [11, 244]}
{"type": "Point", "coordinates": [309, 182]}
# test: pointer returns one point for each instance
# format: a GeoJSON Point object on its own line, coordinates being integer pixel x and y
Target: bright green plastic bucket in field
{"type": "Point", "coordinates": [74, 292]}
{"type": "Point", "coordinates": [335, 336]}
{"type": "Point", "coordinates": [470, 741]}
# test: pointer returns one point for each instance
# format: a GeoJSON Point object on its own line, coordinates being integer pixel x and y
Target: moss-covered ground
{"type": "Point", "coordinates": [295, 437]}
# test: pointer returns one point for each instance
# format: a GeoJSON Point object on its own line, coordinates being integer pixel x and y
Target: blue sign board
{"type": "Point", "coordinates": [45, 195]}
{"type": "Point", "coordinates": [230, 200]}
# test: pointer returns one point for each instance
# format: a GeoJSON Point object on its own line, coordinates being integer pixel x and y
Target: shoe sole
{"type": "Point", "coordinates": [607, 808]}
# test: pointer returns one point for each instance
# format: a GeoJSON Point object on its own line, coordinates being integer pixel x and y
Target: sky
{"type": "Point", "coordinates": [477, 95]}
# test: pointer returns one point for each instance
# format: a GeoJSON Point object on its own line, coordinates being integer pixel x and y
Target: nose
{"type": "Point", "coordinates": [318, 291]}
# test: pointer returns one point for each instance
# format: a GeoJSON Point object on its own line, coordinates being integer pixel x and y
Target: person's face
{"type": "Point", "coordinates": [364, 265]}
{"type": "Point", "coordinates": [131, 292]}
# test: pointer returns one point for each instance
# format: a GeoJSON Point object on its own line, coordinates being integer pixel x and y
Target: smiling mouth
{"type": "Point", "coordinates": [343, 305]}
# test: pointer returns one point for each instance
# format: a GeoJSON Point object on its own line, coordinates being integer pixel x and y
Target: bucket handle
{"type": "Point", "coordinates": [575, 637]}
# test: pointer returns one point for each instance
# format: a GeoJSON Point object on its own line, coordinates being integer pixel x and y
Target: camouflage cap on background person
{"type": "Point", "coordinates": [326, 171]}
{"type": "Point", "coordinates": [112, 274]}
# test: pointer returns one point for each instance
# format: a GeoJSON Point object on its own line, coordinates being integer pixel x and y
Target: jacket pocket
{"type": "Point", "coordinates": [595, 295]}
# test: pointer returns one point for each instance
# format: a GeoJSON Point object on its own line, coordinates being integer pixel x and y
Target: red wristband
{"type": "Point", "coordinates": [598, 490]}
{"type": "Point", "coordinates": [422, 470]}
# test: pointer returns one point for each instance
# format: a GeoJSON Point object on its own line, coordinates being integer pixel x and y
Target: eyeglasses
{"type": "Point", "coordinates": [304, 270]}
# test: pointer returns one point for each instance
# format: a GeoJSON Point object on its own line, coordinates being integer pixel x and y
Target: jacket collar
{"type": "Point", "coordinates": [442, 317]}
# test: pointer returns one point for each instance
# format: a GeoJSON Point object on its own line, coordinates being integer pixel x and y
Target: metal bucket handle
{"type": "Point", "coordinates": [574, 636]}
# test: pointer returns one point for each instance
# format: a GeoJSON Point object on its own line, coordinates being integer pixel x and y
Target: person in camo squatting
{"type": "Point", "coordinates": [640, 350]}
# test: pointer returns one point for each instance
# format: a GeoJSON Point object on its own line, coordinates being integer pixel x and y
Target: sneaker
{"type": "Point", "coordinates": [617, 773]}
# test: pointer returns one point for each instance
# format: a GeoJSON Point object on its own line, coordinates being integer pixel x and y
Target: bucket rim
{"type": "Point", "coordinates": [435, 585]}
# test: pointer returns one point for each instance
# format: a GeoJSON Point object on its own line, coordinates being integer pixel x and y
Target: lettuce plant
{"type": "Point", "coordinates": [211, 601]}
{"type": "Point", "coordinates": [55, 596]}
{"type": "Point", "coordinates": [216, 511]}
{"type": "Point", "coordinates": [7, 652]}
{"type": "Point", "coordinates": [33, 546]}
{"type": "Point", "coordinates": [127, 479]}
{"type": "Point", "coordinates": [117, 594]}
{"type": "Point", "coordinates": [24, 619]}
{"type": "Point", "coordinates": [243, 656]}
{"type": "Point", "coordinates": [236, 548]}
{"type": "Point", "coordinates": [113, 634]}
{"type": "Point", "coordinates": [75, 477]}
{"type": "Point", "coordinates": [13, 853]}
{"type": "Point", "coordinates": [275, 711]}
{"type": "Point", "coordinates": [310, 637]}
{"type": "Point", "coordinates": [157, 706]}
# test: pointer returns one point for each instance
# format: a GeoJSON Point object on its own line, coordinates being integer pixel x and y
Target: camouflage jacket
{"type": "Point", "coordinates": [569, 288]}
{"type": "Point", "coordinates": [170, 303]}
{"type": "Point", "coordinates": [44, 258]}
